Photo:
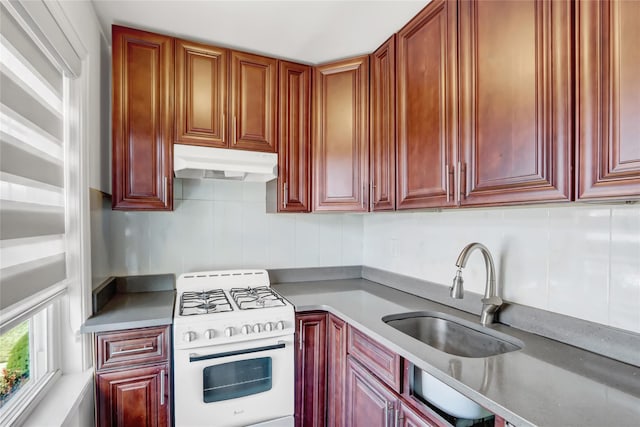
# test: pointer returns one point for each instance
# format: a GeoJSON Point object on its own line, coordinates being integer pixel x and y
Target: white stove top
{"type": "Point", "coordinates": [220, 307]}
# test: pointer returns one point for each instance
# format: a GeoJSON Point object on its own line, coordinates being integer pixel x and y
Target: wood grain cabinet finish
{"type": "Point", "coordinates": [254, 85]}
{"type": "Point", "coordinates": [406, 417]}
{"type": "Point", "coordinates": [341, 136]}
{"type": "Point", "coordinates": [142, 120]}
{"type": "Point", "coordinates": [133, 377]}
{"type": "Point", "coordinates": [382, 145]}
{"type": "Point", "coordinates": [336, 372]}
{"type": "Point", "coordinates": [201, 83]}
{"type": "Point", "coordinates": [385, 363]}
{"type": "Point", "coordinates": [426, 107]}
{"type": "Point", "coordinates": [294, 148]}
{"type": "Point", "coordinates": [515, 101]}
{"type": "Point", "coordinates": [311, 369]}
{"type": "Point", "coordinates": [369, 403]}
{"type": "Point", "coordinates": [608, 99]}
{"type": "Point", "coordinates": [134, 397]}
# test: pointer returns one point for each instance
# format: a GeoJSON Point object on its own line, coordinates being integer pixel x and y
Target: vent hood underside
{"type": "Point", "coordinates": [190, 161]}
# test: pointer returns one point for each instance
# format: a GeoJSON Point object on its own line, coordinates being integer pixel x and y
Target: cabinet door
{"type": "Point", "coordinates": [336, 376]}
{"type": "Point", "coordinates": [608, 100]}
{"type": "Point", "coordinates": [134, 397]}
{"type": "Point", "coordinates": [369, 403]}
{"type": "Point", "coordinates": [311, 371]}
{"type": "Point", "coordinates": [426, 106]}
{"type": "Point", "coordinates": [382, 147]}
{"type": "Point", "coordinates": [254, 83]}
{"type": "Point", "coordinates": [201, 94]}
{"type": "Point", "coordinates": [515, 101]}
{"type": "Point", "coordinates": [294, 178]}
{"type": "Point", "coordinates": [142, 120]}
{"type": "Point", "coordinates": [408, 418]}
{"type": "Point", "coordinates": [341, 136]}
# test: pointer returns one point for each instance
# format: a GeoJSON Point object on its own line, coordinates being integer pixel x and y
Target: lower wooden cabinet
{"type": "Point", "coordinates": [369, 403]}
{"type": "Point", "coordinates": [311, 372]}
{"type": "Point", "coordinates": [134, 397]}
{"type": "Point", "coordinates": [133, 377]}
{"type": "Point", "coordinates": [406, 417]}
{"type": "Point", "coordinates": [336, 370]}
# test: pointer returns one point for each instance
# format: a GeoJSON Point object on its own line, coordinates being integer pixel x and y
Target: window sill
{"type": "Point", "coordinates": [62, 400]}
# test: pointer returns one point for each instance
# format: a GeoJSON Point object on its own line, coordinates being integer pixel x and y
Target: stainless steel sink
{"type": "Point", "coordinates": [452, 335]}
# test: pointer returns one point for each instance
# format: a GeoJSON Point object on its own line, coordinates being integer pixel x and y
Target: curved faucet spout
{"type": "Point", "coordinates": [491, 301]}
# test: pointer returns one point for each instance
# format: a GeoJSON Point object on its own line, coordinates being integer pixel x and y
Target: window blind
{"type": "Point", "coordinates": [32, 172]}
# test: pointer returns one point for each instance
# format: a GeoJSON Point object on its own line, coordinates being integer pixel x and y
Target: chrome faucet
{"type": "Point", "coordinates": [491, 301]}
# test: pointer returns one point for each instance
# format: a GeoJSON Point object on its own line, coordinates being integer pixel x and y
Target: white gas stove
{"type": "Point", "coordinates": [233, 350]}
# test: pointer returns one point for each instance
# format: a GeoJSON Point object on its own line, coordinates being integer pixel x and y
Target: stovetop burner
{"type": "Point", "coordinates": [253, 298]}
{"type": "Point", "coordinates": [204, 302]}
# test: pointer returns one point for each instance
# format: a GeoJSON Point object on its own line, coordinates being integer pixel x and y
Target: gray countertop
{"type": "Point", "coordinates": [132, 310]}
{"type": "Point", "coordinates": [547, 383]}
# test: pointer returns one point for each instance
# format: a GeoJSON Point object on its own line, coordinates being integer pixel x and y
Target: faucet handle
{"type": "Point", "coordinates": [492, 300]}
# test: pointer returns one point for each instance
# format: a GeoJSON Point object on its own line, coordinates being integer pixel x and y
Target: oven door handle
{"type": "Point", "coordinates": [193, 357]}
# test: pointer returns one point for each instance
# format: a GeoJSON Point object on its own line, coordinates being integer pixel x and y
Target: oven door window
{"type": "Point", "coordinates": [236, 379]}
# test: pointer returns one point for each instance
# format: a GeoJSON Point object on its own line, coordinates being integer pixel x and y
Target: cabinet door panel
{"type": "Point", "coordinates": [201, 94]}
{"type": "Point", "coordinates": [133, 397]}
{"type": "Point", "coordinates": [336, 376]}
{"type": "Point", "coordinates": [311, 374]}
{"type": "Point", "coordinates": [426, 104]}
{"type": "Point", "coordinates": [294, 142]}
{"type": "Point", "coordinates": [382, 148]}
{"type": "Point", "coordinates": [142, 119]}
{"type": "Point", "coordinates": [515, 101]}
{"type": "Point", "coordinates": [253, 102]}
{"type": "Point", "coordinates": [369, 403]}
{"type": "Point", "coordinates": [341, 136]}
{"type": "Point", "coordinates": [608, 86]}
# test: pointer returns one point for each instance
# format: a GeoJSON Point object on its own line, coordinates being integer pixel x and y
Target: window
{"type": "Point", "coordinates": [39, 231]}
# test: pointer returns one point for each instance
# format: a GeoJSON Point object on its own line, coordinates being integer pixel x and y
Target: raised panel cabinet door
{"type": "Point", "coordinates": [382, 145]}
{"type": "Point", "coordinates": [134, 397]}
{"type": "Point", "coordinates": [336, 374]}
{"type": "Point", "coordinates": [369, 403]}
{"type": "Point", "coordinates": [515, 101]}
{"type": "Point", "coordinates": [201, 94]}
{"type": "Point", "coordinates": [311, 369]}
{"type": "Point", "coordinates": [254, 85]}
{"type": "Point", "coordinates": [294, 151]}
{"type": "Point", "coordinates": [427, 107]}
{"type": "Point", "coordinates": [142, 119]}
{"type": "Point", "coordinates": [341, 136]}
{"type": "Point", "coordinates": [408, 418]}
{"type": "Point", "coordinates": [608, 100]}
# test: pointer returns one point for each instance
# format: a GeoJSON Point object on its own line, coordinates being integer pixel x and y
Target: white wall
{"type": "Point", "coordinates": [223, 224]}
{"type": "Point", "coordinates": [579, 260]}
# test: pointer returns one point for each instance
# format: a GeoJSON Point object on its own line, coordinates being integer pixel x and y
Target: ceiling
{"type": "Point", "coordinates": [306, 31]}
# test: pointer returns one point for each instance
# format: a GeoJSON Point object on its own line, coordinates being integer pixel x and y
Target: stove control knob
{"type": "Point", "coordinates": [229, 331]}
{"type": "Point", "coordinates": [209, 333]}
{"type": "Point", "coordinates": [257, 328]}
{"type": "Point", "coordinates": [268, 327]}
{"type": "Point", "coordinates": [246, 330]}
{"type": "Point", "coordinates": [280, 325]}
{"type": "Point", "coordinates": [189, 336]}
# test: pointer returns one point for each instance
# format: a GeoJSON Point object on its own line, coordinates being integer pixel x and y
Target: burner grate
{"type": "Point", "coordinates": [253, 298]}
{"type": "Point", "coordinates": [204, 302]}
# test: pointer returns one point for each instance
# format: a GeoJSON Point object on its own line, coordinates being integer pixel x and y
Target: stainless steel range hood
{"type": "Point", "coordinates": [191, 161]}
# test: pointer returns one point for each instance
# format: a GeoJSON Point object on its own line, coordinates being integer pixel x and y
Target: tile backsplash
{"type": "Point", "coordinates": [223, 224]}
{"type": "Point", "coordinates": [580, 260]}
{"type": "Point", "coordinates": [577, 260]}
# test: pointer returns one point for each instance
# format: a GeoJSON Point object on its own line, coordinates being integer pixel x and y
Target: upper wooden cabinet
{"type": "Point", "coordinates": [201, 94]}
{"type": "Point", "coordinates": [294, 148]}
{"type": "Point", "coordinates": [515, 101]}
{"type": "Point", "coordinates": [254, 85]}
{"type": "Point", "coordinates": [608, 100]}
{"type": "Point", "coordinates": [142, 120]}
{"type": "Point", "coordinates": [426, 107]}
{"type": "Point", "coordinates": [382, 145]}
{"type": "Point", "coordinates": [341, 136]}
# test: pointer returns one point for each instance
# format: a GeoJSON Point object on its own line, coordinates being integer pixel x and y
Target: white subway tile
{"type": "Point", "coordinates": [254, 192]}
{"type": "Point", "coordinates": [280, 251]}
{"type": "Point", "coordinates": [330, 239]}
{"type": "Point", "coordinates": [307, 246]}
{"type": "Point", "coordinates": [227, 235]}
{"type": "Point", "coordinates": [197, 189]}
{"type": "Point", "coordinates": [227, 190]}
{"type": "Point", "coordinates": [255, 235]}
{"type": "Point", "coordinates": [352, 239]}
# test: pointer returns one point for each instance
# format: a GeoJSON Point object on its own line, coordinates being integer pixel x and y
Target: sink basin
{"type": "Point", "coordinates": [452, 335]}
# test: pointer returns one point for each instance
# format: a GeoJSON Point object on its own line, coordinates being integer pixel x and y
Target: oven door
{"type": "Point", "coordinates": [234, 384]}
